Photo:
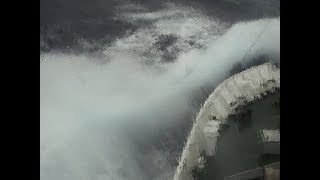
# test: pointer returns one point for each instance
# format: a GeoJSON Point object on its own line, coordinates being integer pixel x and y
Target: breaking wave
{"type": "Point", "coordinates": [126, 114]}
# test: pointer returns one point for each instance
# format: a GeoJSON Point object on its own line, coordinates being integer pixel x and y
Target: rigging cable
{"type": "Point", "coordinates": [253, 44]}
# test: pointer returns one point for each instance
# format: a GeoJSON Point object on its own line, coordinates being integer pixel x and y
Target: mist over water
{"type": "Point", "coordinates": [126, 113]}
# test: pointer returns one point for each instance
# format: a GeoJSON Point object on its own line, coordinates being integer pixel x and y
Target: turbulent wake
{"type": "Point", "coordinates": [126, 114]}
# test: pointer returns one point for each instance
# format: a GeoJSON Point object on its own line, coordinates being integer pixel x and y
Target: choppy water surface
{"type": "Point", "coordinates": [121, 81]}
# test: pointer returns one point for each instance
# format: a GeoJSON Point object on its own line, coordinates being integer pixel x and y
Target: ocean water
{"type": "Point", "coordinates": [121, 81]}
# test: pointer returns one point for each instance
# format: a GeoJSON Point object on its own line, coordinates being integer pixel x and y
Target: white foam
{"type": "Point", "coordinates": [203, 136]}
{"type": "Point", "coordinates": [87, 108]}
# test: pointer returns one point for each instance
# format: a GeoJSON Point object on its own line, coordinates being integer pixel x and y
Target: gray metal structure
{"type": "Point", "coordinates": [270, 140]}
{"type": "Point", "coordinates": [258, 173]}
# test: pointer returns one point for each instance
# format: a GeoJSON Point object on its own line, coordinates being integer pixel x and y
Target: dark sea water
{"type": "Point", "coordinates": [122, 80]}
{"type": "Point", "coordinates": [64, 22]}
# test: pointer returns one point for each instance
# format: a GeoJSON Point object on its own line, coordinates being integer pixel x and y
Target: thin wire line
{"type": "Point", "coordinates": [259, 36]}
